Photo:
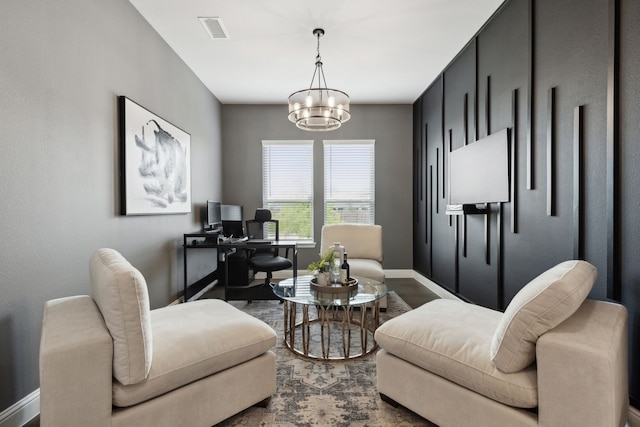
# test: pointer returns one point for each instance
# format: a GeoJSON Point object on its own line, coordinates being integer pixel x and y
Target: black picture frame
{"type": "Point", "coordinates": [155, 164]}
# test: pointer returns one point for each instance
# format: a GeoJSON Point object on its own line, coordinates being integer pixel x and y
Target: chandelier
{"type": "Point", "coordinates": [319, 108]}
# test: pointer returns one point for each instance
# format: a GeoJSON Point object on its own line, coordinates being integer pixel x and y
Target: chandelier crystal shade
{"type": "Point", "coordinates": [319, 108]}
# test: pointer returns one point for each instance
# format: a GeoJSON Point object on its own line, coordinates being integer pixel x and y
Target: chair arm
{"type": "Point", "coordinates": [76, 359]}
{"type": "Point", "coordinates": [582, 368]}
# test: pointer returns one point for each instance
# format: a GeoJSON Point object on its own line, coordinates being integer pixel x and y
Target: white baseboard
{"type": "Point", "coordinates": [22, 411]}
{"type": "Point", "coordinates": [434, 287]}
{"type": "Point", "coordinates": [634, 417]}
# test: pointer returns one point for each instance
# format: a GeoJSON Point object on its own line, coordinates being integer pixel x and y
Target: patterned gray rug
{"type": "Point", "coordinates": [322, 393]}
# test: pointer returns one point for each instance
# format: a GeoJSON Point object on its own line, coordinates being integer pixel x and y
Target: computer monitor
{"type": "Point", "coordinates": [232, 220]}
{"type": "Point", "coordinates": [214, 215]}
{"type": "Point", "coordinates": [231, 212]}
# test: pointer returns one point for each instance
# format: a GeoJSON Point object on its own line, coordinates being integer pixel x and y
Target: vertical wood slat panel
{"type": "Point", "coordinates": [578, 176]}
{"type": "Point", "coordinates": [422, 152]}
{"type": "Point", "coordinates": [476, 134]}
{"type": "Point", "coordinates": [425, 161]}
{"type": "Point", "coordinates": [487, 216]}
{"type": "Point", "coordinates": [514, 161]}
{"type": "Point", "coordinates": [465, 120]}
{"type": "Point", "coordinates": [449, 178]}
{"type": "Point", "coordinates": [487, 108]}
{"type": "Point", "coordinates": [612, 153]}
{"type": "Point", "coordinates": [442, 132]}
{"type": "Point", "coordinates": [487, 236]}
{"type": "Point", "coordinates": [463, 230]}
{"type": "Point", "coordinates": [430, 222]}
{"type": "Point", "coordinates": [530, 89]}
{"type": "Point", "coordinates": [456, 276]}
{"type": "Point", "coordinates": [500, 260]}
{"type": "Point", "coordinates": [437, 180]}
{"type": "Point", "coordinates": [550, 152]}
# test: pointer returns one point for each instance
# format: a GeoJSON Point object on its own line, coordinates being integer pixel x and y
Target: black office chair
{"type": "Point", "coordinates": [264, 228]}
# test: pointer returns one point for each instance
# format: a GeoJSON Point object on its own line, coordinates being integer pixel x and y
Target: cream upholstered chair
{"type": "Point", "coordinates": [363, 244]}
{"type": "Point", "coordinates": [551, 359]}
{"type": "Point", "coordinates": [111, 361]}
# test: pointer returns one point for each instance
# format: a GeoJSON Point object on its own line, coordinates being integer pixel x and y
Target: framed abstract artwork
{"type": "Point", "coordinates": [155, 167]}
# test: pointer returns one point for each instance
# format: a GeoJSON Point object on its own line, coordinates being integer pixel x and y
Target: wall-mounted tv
{"type": "Point", "coordinates": [479, 172]}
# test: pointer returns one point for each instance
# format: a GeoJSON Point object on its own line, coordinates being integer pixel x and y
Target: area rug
{"type": "Point", "coordinates": [323, 393]}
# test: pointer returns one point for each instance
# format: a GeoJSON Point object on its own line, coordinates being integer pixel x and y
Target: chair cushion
{"type": "Point", "coordinates": [366, 268]}
{"type": "Point", "coordinates": [452, 339]}
{"type": "Point", "coordinates": [121, 293]}
{"type": "Point", "coordinates": [194, 340]}
{"type": "Point", "coordinates": [270, 263]}
{"type": "Point", "coordinates": [541, 305]}
{"type": "Point", "coordinates": [359, 240]}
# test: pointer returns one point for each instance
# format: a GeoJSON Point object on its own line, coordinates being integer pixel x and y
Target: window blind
{"type": "Point", "coordinates": [349, 182]}
{"type": "Point", "coordinates": [287, 187]}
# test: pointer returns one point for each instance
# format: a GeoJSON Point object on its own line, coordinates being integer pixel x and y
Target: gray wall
{"type": "Point", "coordinates": [245, 126]}
{"type": "Point", "coordinates": [63, 65]}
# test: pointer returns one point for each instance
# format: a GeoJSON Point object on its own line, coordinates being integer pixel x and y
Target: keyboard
{"type": "Point", "coordinates": [260, 241]}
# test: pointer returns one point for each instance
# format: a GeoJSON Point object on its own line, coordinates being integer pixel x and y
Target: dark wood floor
{"type": "Point", "coordinates": [411, 291]}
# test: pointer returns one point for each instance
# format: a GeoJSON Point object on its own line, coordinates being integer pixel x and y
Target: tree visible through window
{"type": "Point", "coordinates": [349, 182]}
{"type": "Point", "coordinates": [287, 187]}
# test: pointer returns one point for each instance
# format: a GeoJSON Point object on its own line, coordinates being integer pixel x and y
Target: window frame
{"type": "Point", "coordinates": [267, 184]}
{"type": "Point", "coordinates": [326, 184]}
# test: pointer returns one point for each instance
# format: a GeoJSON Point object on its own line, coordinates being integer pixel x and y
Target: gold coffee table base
{"type": "Point", "coordinates": [362, 323]}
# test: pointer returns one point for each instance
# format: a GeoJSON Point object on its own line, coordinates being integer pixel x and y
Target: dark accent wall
{"type": "Point", "coordinates": [564, 77]}
{"type": "Point", "coordinates": [63, 66]}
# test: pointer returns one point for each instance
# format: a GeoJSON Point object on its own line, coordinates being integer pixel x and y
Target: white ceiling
{"type": "Point", "coordinates": [378, 51]}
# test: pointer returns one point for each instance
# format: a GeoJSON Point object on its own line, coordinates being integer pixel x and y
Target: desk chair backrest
{"type": "Point", "coordinates": [263, 226]}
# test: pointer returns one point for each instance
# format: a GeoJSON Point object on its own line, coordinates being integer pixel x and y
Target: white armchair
{"type": "Point", "coordinates": [363, 244]}
{"type": "Point", "coordinates": [551, 359]}
{"type": "Point", "coordinates": [111, 361]}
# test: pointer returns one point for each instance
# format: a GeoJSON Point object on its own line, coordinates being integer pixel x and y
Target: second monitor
{"type": "Point", "coordinates": [232, 220]}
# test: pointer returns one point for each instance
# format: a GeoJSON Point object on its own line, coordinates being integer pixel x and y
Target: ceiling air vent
{"type": "Point", "coordinates": [215, 28]}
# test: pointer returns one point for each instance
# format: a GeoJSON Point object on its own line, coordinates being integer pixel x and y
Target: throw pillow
{"type": "Point", "coordinates": [541, 305]}
{"type": "Point", "coordinates": [120, 292]}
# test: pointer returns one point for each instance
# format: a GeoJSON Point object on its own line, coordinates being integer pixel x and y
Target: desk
{"type": "Point", "coordinates": [210, 241]}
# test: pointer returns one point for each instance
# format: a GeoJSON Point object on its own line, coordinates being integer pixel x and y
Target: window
{"type": "Point", "coordinates": [287, 187]}
{"type": "Point", "coordinates": [349, 182]}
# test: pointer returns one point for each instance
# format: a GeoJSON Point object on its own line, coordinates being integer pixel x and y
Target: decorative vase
{"type": "Point", "coordinates": [324, 278]}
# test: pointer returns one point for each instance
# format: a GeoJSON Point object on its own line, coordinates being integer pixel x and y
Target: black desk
{"type": "Point", "coordinates": [210, 241]}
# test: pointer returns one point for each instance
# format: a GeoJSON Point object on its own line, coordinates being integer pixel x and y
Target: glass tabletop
{"type": "Point", "coordinates": [369, 290]}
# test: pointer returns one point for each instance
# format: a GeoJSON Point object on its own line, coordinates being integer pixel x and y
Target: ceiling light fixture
{"type": "Point", "coordinates": [319, 108]}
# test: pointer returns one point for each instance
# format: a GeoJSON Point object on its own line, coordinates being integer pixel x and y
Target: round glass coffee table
{"type": "Point", "coordinates": [339, 316]}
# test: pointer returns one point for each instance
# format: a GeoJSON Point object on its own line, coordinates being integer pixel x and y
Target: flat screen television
{"type": "Point", "coordinates": [214, 215]}
{"type": "Point", "coordinates": [479, 172]}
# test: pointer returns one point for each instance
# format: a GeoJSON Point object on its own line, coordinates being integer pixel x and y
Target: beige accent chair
{"type": "Point", "coordinates": [552, 359]}
{"type": "Point", "coordinates": [363, 244]}
{"type": "Point", "coordinates": [111, 361]}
